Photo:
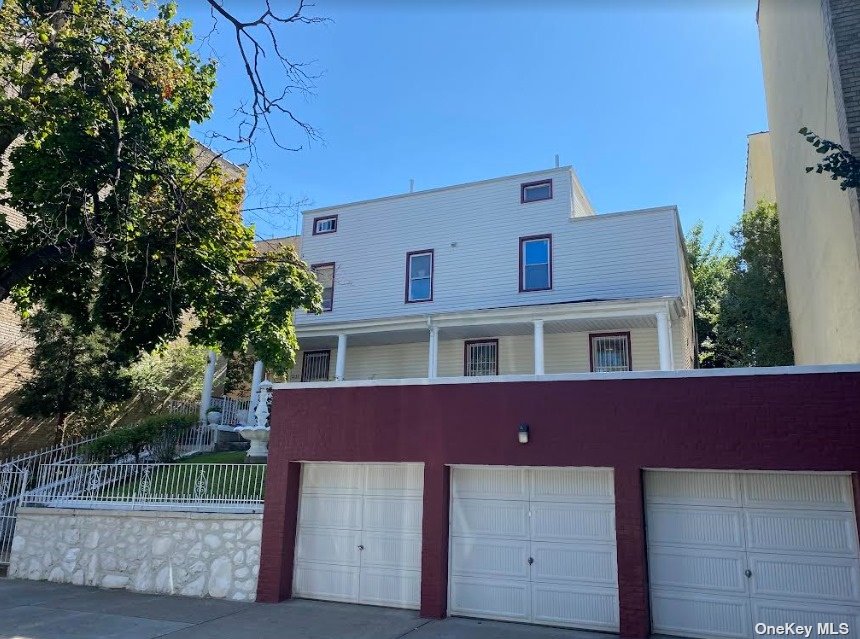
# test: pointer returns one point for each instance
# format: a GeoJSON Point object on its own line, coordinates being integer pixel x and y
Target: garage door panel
{"type": "Point", "coordinates": [778, 612]}
{"type": "Point", "coordinates": [383, 587]}
{"type": "Point", "coordinates": [691, 615]}
{"type": "Point", "coordinates": [393, 514]}
{"type": "Point", "coordinates": [386, 550]}
{"type": "Point", "coordinates": [328, 546]}
{"type": "Point", "coordinates": [798, 539]}
{"type": "Point", "coordinates": [582, 563]}
{"type": "Point", "coordinates": [820, 578]}
{"type": "Point", "coordinates": [584, 608]}
{"type": "Point", "coordinates": [492, 598]}
{"type": "Point", "coordinates": [721, 572]}
{"type": "Point", "coordinates": [703, 489]}
{"type": "Point", "coordinates": [355, 546]}
{"type": "Point", "coordinates": [505, 559]}
{"type": "Point", "coordinates": [490, 483]}
{"type": "Point", "coordinates": [330, 511]}
{"type": "Point", "coordinates": [559, 522]}
{"type": "Point", "coordinates": [797, 490]}
{"type": "Point", "coordinates": [405, 480]}
{"type": "Point", "coordinates": [343, 479]}
{"type": "Point", "coordinates": [491, 518]}
{"type": "Point", "coordinates": [326, 581]}
{"type": "Point", "coordinates": [701, 526]}
{"type": "Point", "coordinates": [801, 532]}
{"type": "Point", "coordinates": [572, 484]}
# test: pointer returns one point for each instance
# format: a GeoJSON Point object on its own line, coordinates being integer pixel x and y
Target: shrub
{"type": "Point", "coordinates": [159, 433]}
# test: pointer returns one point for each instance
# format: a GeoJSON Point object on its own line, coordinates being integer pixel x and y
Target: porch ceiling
{"type": "Point", "coordinates": [489, 329]}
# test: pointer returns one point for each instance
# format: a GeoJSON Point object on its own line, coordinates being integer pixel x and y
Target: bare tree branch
{"type": "Point", "coordinates": [258, 39]}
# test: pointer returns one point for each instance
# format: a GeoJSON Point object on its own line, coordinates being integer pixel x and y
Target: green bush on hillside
{"type": "Point", "coordinates": [159, 433]}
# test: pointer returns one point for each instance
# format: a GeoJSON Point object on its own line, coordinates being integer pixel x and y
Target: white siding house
{"type": "Point", "coordinates": [508, 275]}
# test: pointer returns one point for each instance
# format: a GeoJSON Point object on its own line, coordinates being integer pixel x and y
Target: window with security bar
{"type": "Point", "coordinates": [610, 353]}
{"type": "Point", "coordinates": [481, 358]}
{"type": "Point", "coordinates": [315, 366]}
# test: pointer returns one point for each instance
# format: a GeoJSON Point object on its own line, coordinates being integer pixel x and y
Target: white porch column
{"type": "Point", "coordinates": [340, 364]}
{"type": "Point", "coordinates": [256, 378]}
{"type": "Point", "coordinates": [208, 380]}
{"type": "Point", "coordinates": [539, 368]}
{"type": "Point", "coordinates": [433, 353]}
{"type": "Point", "coordinates": [664, 341]}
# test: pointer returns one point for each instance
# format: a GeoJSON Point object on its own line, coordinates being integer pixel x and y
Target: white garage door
{"type": "Point", "coordinates": [535, 545]}
{"type": "Point", "coordinates": [730, 550]}
{"type": "Point", "coordinates": [359, 534]}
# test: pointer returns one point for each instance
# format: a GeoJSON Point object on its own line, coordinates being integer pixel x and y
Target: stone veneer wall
{"type": "Point", "coordinates": [182, 553]}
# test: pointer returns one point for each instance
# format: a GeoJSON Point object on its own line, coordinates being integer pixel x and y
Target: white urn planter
{"type": "Point", "coordinates": [259, 438]}
{"type": "Point", "coordinates": [213, 417]}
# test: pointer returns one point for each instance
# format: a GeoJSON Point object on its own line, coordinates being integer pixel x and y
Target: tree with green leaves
{"type": "Point", "coordinates": [754, 327]}
{"type": "Point", "coordinates": [710, 269]}
{"type": "Point", "coordinates": [126, 232]}
{"type": "Point", "coordinates": [837, 161]}
{"type": "Point", "coordinates": [73, 370]}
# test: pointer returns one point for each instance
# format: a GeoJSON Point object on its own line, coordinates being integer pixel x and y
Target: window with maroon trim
{"type": "Point", "coordinates": [610, 352]}
{"type": "Point", "coordinates": [325, 276]}
{"type": "Point", "coordinates": [325, 225]}
{"type": "Point", "coordinates": [535, 191]}
{"type": "Point", "coordinates": [315, 366]}
{"type": "Point", "coordinates": [481, 357]}
{"type": "Point", "coordinates": [536, 263]}
{"type": "Point", "coordinates": [419, 276]}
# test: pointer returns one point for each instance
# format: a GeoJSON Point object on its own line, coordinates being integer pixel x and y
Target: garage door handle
{"type": "Point", "coordinates": [748, 573]}
{"type": "Point", "coordinates": [361, 547]}
{"type": "Point", "coordinates": [531, 560]}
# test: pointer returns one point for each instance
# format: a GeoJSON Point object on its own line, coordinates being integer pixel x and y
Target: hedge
{"type": "Point", "coordinates": [159, 433]}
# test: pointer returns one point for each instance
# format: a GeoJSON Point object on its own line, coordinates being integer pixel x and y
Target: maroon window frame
{"type": "Point", "coordinates": [305, 361]}
{"type": "Point", "coordinates": [523, 240]}
{"type": "Point", "coordinates": [432, 274]}
{"type": "Point", "coordinates": [469, 342]}
{"type": "Point", "coordinates": [525, 185]}
{"type": "Point", "coordinates": [626, 334]}
{"type": "Point", "coordinates": [322, 219]}
{"type": "Point", "coordinates": [326, 265]}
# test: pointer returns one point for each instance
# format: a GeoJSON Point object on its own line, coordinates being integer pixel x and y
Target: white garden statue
{"type": "Point", "coordinates": [258, 433]}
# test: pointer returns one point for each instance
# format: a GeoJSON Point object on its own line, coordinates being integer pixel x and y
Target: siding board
{"type": "Point", "coordinates": [474, 231]}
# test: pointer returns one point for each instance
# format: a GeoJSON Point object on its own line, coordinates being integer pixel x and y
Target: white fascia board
{"type": "Point", "coordinates": [573, 377]}
{"type": "Point", "coordinates": [549, 312]}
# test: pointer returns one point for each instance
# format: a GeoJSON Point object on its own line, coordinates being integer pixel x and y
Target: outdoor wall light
{"type": "Point", "coordinates": [523, 433]}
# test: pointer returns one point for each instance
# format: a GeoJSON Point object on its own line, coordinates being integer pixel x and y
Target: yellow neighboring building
{"type": "Point", "coordinates": [760, 184]}
{"type": "Point", "coordinates": [811, 61]}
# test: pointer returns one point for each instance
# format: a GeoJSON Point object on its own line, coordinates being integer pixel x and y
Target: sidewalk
{"type": "Point", "coordinates": [40, 610]}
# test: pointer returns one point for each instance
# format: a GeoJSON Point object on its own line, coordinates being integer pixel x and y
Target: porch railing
{"type": "Point", "coordinates": [177, 486]}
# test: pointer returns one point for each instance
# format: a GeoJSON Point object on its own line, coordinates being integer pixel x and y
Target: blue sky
{"type": "Point", "coordinates": [650, 101]}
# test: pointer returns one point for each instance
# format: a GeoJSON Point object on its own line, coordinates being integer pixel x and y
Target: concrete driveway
{"type": "Point", "coordinates": [39, 610]}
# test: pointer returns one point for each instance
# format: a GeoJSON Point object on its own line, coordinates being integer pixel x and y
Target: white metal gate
{"type": "Point", "coordinates": [13, 484]}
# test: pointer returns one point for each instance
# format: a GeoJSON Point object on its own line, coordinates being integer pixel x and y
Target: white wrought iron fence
{"type": "Point", "coordinates": [13, 483]}
{"type": "Point", "coordinates": [32, 461]}
{"type": "Point", "coordinates": [177, 486]}
{"type": "Point", "coordinates": [233, 411]}
{"type": "Point", "coordinates": [199, 439]}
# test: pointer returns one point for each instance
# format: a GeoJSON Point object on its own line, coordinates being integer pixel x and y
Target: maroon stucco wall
{"type": "Point", "coordinates": [774, 422]}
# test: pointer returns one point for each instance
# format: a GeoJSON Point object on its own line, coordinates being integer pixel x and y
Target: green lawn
{"type": "Point", "coordinates": [190, 480]}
